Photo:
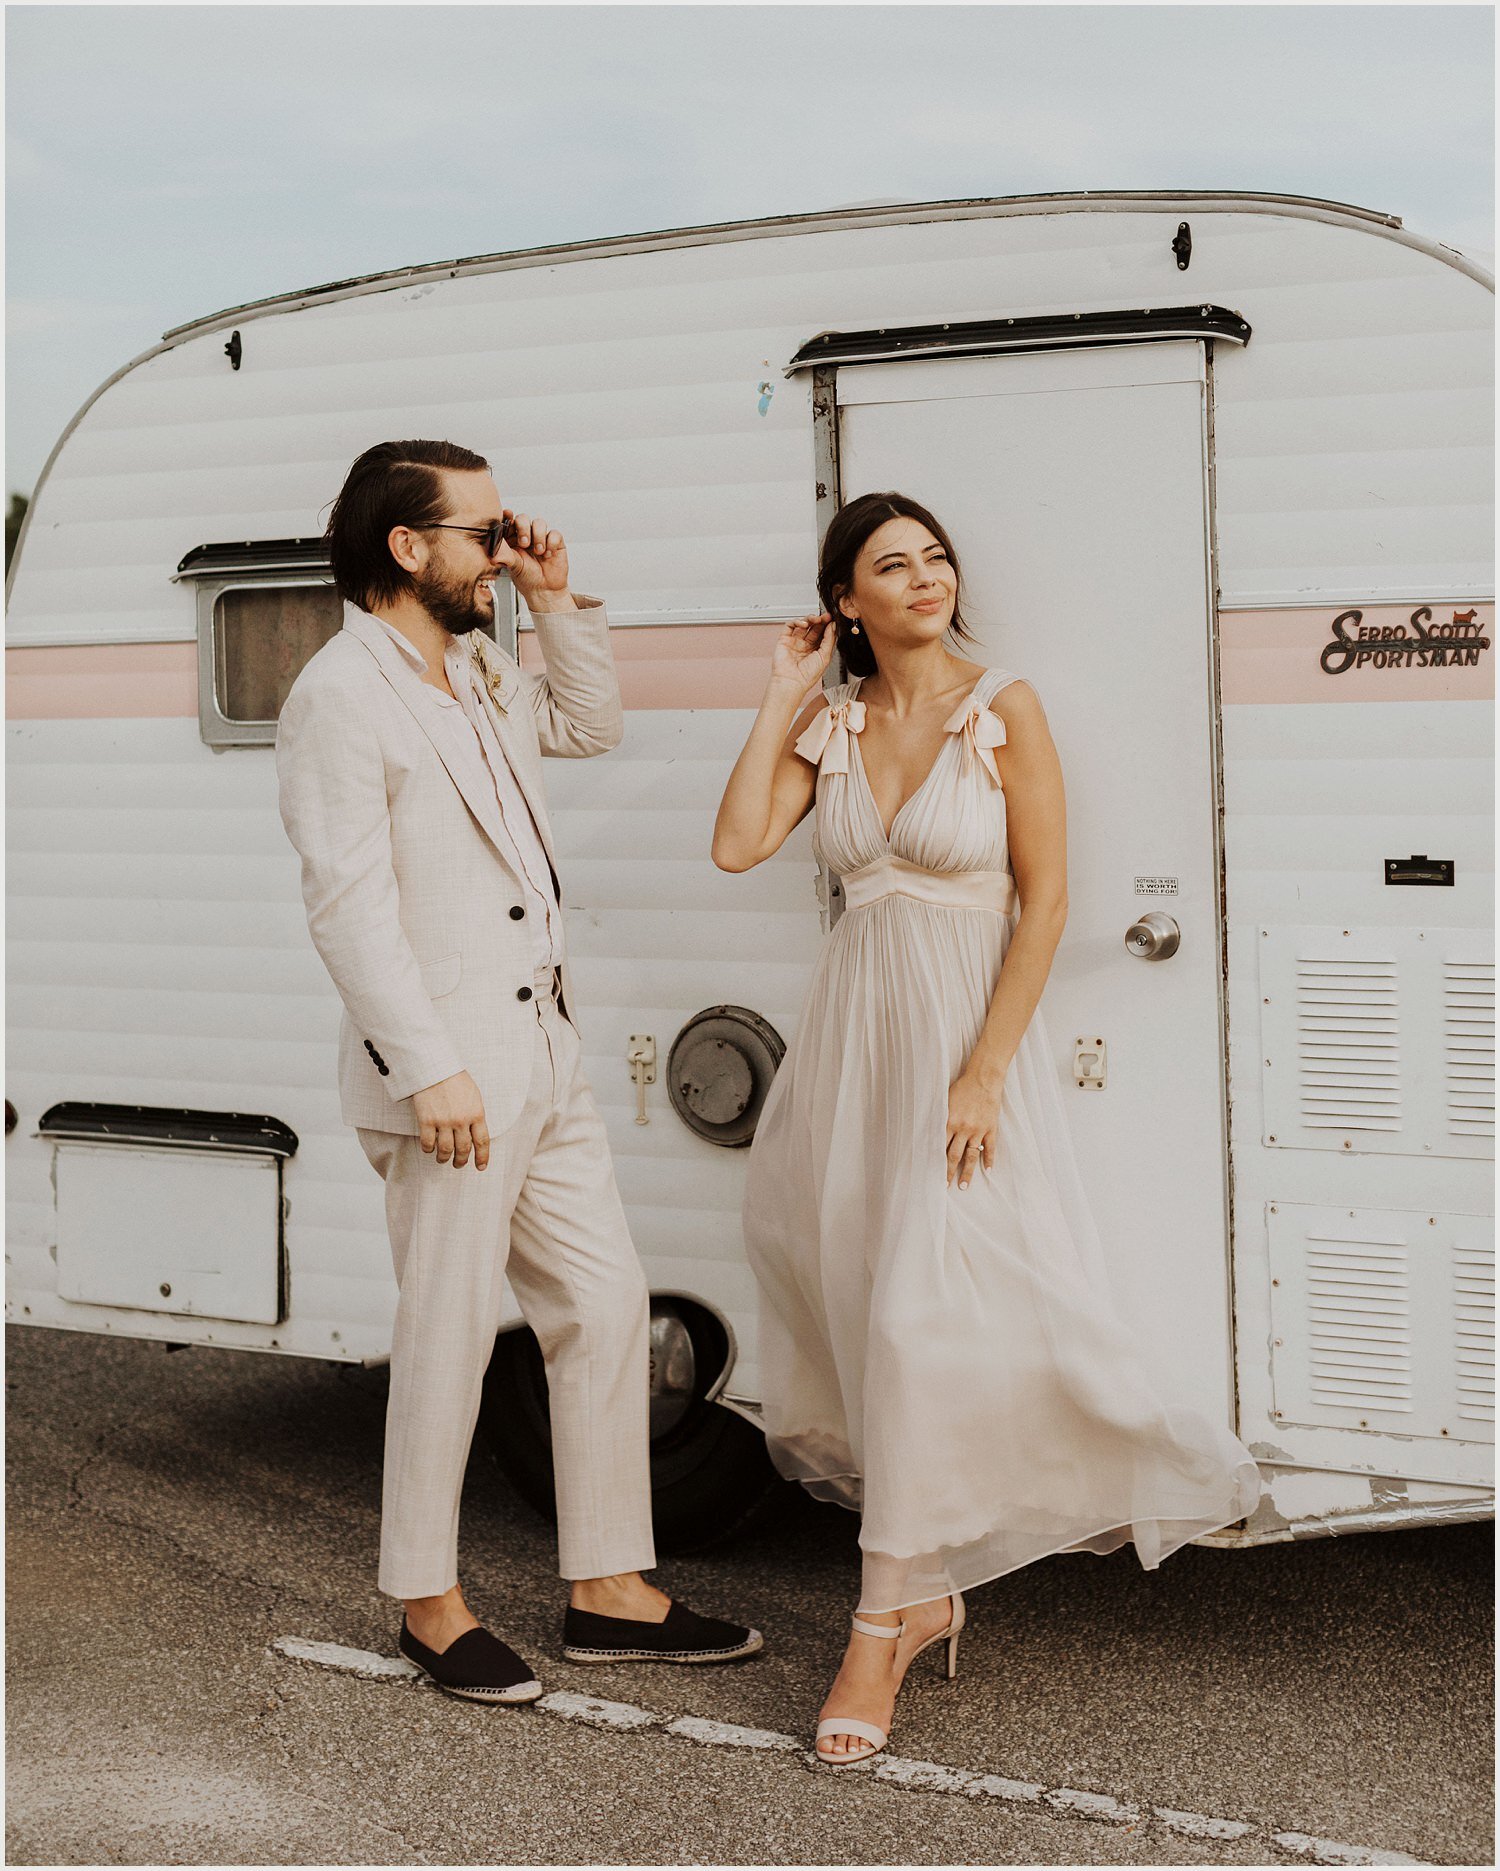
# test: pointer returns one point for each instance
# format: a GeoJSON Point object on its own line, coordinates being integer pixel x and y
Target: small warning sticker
{"type": "Point", "coordinates": [1156, 886]}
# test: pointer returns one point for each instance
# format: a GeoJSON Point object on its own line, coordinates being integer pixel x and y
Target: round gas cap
{"type": "Point", "coordinates": [719, 1071]}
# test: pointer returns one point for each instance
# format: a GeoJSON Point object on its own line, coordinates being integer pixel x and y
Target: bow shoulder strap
{"type": "Point", "coordinates": [982, 729]}
{"type": "Point", "coordinates": [825, 740]}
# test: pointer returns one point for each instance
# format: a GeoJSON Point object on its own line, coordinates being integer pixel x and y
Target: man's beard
{"type": "Point", "coordinates": [451, 602]}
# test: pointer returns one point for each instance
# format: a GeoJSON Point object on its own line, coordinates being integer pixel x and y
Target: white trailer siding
{"type": "Point", "coordinates": [158, 951]}
{"type": "Point", "coordinates": [623, 394]}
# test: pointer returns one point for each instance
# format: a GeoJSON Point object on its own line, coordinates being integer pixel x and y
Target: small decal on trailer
{"type": "Point", "coordinates": [1418, 642]}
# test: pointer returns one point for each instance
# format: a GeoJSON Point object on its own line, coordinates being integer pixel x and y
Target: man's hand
{"type": "Point", "coordinates": [537, 563]}
{"type": "Point", "coordinates": [451, 1116]}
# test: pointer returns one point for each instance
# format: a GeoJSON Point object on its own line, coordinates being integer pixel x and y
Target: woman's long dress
{"type": "Point", "coordinates": [949, 1362]}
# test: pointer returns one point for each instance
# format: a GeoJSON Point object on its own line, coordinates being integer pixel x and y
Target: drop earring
{"type": "Point", "coordinates": [854, 629]}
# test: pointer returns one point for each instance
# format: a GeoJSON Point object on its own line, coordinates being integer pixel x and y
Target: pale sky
{"type": "Point", "coordinates": [166, 162]}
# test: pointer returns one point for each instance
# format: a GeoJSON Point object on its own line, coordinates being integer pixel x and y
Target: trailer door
{"type": "Point", "coordinates": [1074, 484]}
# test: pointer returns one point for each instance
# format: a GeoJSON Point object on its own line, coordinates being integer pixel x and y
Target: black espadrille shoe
{"type": "Point", "coordinates": [476, 1666]}
{"type": "Point", "coordinates": [681, 1637]}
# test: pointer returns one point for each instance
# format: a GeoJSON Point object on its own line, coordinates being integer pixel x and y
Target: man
{"type": "Point", "coordinates": [409, 759]}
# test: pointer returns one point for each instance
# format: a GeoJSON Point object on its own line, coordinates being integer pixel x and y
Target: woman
{"type": "Point", "coordinates": [941, 1350]}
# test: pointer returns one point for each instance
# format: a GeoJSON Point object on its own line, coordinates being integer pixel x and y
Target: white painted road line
{"type": "Point", "coordinates": [726, 1735]}
{"type": "Point", "coordinates": [368, 1663]}
{"type": "Point", "coordinates": [1330, 1852]}
{"type": "Point", "coordinates": [1197, 1826]}
{"type": "Point", "coordinates": [575, 1708]}
{"type": "Point", "coordinates": [890, 1769]}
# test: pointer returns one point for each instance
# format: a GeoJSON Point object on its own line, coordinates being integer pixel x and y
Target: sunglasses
{"type": "Point", "coordinates": [490, 537]}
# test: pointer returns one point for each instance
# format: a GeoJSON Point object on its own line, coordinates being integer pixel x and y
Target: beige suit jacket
{"type": "Point", "coordinates": [408, 893]}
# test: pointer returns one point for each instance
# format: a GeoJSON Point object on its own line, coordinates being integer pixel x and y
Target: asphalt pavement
{"type": "Point", "coordinates": [173, 1517]}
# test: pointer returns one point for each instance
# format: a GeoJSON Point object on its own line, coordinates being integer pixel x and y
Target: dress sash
{"type": "Point", "coordinates": [965, 890]}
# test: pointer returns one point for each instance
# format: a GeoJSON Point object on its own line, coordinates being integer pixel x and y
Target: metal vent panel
{"type": "Point", "coordinates": [1348, 1044]}
{"type": "Point", "coordinates": [1383, 1320]}
{"type": "Point", "coordinates": [1378, 1040]}
{"type": "Point", "coordinates": [1474, 1330]}
{"type": "Point", "coordinates": [1469, 1048]}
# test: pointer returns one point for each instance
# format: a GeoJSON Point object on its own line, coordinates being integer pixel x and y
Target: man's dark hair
{"type": "Point", "coordinates": [391, 484]}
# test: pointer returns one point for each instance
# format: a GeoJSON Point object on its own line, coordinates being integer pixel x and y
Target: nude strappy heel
{"type": "Point", "coordinates": [847, 1724]}
{"type": "Point", "coordinates": [949, 1637]}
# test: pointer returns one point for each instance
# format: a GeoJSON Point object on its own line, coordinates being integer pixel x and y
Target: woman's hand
{"type": "Point", "coordinates": [973, 1118]}
{"type": "Point", "coordinates": [536, 558]}
{"type": "Point", "coordinates": [803, 651]}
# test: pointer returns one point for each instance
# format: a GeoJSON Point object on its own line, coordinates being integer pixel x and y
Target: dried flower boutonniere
{"type": "Point", "coordinates": [492, 669]}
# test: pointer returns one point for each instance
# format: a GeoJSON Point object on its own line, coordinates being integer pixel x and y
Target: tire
{"type": "Point", "coordinates": [710, 1473]}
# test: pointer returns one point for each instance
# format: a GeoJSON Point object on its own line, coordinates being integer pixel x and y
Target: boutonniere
{"type": "Point", "coordinates": [493, 670]}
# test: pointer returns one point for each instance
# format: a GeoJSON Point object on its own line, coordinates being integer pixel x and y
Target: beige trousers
{"type": "Point", "coordinates": [546, 1213]}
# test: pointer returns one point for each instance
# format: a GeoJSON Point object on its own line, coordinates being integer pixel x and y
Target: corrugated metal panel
{"type": "Point", "coordinates": [158, 954]}
{"type": "Point", "coordinates": [622, 395]}
{"type": "Point", "coordinates": [147, 964]}
{"type": "Point", "coordinates": [707, 938]}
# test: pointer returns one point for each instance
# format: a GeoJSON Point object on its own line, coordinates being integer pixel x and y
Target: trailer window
{"type": "Point", "coordinates": [265, 608]}
{"type": "Point", "coordinates": [263, 636]}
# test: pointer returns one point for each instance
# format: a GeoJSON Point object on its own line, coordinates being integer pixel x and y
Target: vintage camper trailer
{"type": "Point", "coordinates": [1220, 469]}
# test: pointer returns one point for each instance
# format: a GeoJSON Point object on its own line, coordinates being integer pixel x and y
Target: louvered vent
{"type": "Point", "coordinates": [1469, 1047]}
{"type": "Point", "coordinates": [1377, 1041]}
{"type": "Point", "coordinates": [1348, 1052]}
{"type": "Point", "coordinates": [1474, 1318]}
{"type": "Point", "coordinates": [1358, 1323]}
{"type": "Point", "coordinates": [1383, 1323]}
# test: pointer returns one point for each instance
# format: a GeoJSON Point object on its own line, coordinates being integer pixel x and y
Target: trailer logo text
{"type": "Point", "coordinates": [1399, 646]}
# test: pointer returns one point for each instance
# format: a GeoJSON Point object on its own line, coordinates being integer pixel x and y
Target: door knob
{"type": "Point", "coordinates": [1154, 937]}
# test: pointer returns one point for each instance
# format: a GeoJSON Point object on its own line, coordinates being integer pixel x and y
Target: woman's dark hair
{"type": "Point", "coordinates": [852, 526]}
{"type": "Point", "coordinates": [391, 484]}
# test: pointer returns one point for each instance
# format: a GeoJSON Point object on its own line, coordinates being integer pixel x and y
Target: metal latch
{"type": "Point", "coordinates": [1419, 869]}
{"type": "Point", "coordinates": [1089, 1062]}
{"type": "Point", "coordinates": [641, 1059]}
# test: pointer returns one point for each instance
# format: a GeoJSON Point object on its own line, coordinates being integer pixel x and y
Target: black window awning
{"type": "Point", "coordinates": [76, 1122]}
{"type": "Point", "coordinates": [1048, 331]}
{"type": "Point", "coordinates": [257, 555]}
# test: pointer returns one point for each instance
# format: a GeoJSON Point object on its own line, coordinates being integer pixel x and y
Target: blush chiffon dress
{"type": "Point", "coordinates": [950, 1364]}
